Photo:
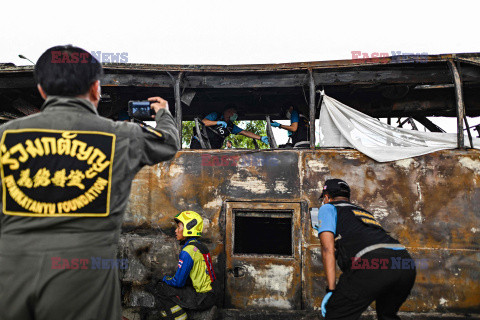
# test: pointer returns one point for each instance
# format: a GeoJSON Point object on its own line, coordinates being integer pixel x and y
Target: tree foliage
{"type": "Point", "coordinates": [238, 141]}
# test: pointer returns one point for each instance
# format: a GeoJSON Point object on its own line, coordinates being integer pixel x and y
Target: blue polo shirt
{"type": "Point", "coordinates": [294, 117]}
{"type": "Point", "coordinates": [215, 116]}
{"type": "Point", "coordinates": [327, 218]}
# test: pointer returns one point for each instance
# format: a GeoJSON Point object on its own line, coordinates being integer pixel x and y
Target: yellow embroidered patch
{"type": "Point", "coordinates": [52, 173]}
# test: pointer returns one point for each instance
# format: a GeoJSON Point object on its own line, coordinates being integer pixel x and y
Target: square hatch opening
{"type": "Point", "coordinates": [263, 232]}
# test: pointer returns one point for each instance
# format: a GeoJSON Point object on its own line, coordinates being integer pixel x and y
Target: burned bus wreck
{"type": "Point", "coordinates": [256, 203]}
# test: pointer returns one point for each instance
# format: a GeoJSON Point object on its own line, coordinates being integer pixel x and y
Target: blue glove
{"type": "Point", "coordinates": [324, 303]}
{"type": "Point", "coordinates": [222, 123]}
{"type": "Point", "coordinates": [264, 139]}
{"type": "Point", "coordinates": [275, 124]}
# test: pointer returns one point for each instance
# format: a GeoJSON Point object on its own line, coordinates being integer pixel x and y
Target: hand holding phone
{"type": "Point", "coordinates": [146, 109]}
{"type": "Point", "coordinates": [157, 103]}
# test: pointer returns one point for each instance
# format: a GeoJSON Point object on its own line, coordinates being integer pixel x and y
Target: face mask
{"type": "Point", "coordinates": [289, 115]}
{"type": "Point", "coordinates": [234, 117]}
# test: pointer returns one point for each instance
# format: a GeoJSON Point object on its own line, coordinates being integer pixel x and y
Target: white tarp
{"type": "Point", "coordinates": [342, 126]}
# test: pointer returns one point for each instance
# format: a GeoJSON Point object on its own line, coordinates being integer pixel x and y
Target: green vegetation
{"type": "Point", "coordinates": [238, 141]}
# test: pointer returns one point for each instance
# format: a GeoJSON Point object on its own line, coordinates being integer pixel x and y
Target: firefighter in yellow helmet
{"type": "Point", "coordinates": [191, 286]}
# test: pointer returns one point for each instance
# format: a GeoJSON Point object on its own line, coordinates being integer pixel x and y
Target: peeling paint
{"type": "Point", "coordinates": [174, 171]}
{"type": "Point", "coordinates": [277, 302]}
{"type": "Point", "coordinates": [381, 213]}
{"type": "Point", "coordinates": [317, 166]}
{"type": "Point", "coordinates": [470, 164]}
{"type": "Point", "coordinates": [404, 163]}
{"type": "Point", "coordinates": [429, 203]}
{"type": "Point", "coordinates": [157, 171]}
{"type": "Point", "coordinates": [214, 204]}
{"type": "Point", "coordinates": [272, 277]}
{"type": "Point", "coordinates": [418, 217]}
{"type": "Point", "coordinates": [252, 184]}
{"type": "Point", "coordinates": [419, 191]}
{"type": "Point", "coordinates": [280, 186]}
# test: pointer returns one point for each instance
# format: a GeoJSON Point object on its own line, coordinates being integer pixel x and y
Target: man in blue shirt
{"type": "Point", "coordinates": [375, 266]}
{"type": "Point", "coordinates": [220, 125]}
{"type": "Point", "coordinates": [299, 128]}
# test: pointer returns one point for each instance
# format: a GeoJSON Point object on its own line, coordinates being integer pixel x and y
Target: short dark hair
{"type": "Point", "coordinates": [67, 71]}
{"type": "Point", "coordinates": [286, 105]}
{"type": "Point", "coordinates": [230, 106]}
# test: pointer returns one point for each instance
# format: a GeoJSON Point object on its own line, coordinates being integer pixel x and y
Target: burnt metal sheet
{"type": "Point", "coordinates": [266, 281]}
{"type": "Point", "coordinates": [473, 58]}
{"type": "Point", "coordinates": [430, 203]}
{"type": "Point", "coordinates": [436, 75]}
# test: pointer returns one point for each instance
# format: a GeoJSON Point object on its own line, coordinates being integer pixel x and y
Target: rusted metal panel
{"type": "Point", "coordinates": [202, 181]}
{"type": "Point", "coordinates": [430, 203]}
{"type": "Point", "coordinates": [267, 281]}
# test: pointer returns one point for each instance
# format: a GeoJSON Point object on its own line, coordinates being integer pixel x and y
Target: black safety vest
{"type": "Point", "coordinates": [356, 229]}
{"type": "Point", "coordinates": [303, 130]}
{"type": "Point", "coordinates": [206, 256]}
{"type": "Point", "coordinates": [217, 134]}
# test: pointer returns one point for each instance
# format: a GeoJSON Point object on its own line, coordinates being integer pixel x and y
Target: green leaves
{"type": "Point", "coordinates": [238, 141]}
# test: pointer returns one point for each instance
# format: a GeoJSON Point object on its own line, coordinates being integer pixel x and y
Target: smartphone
{"type": "Point", "coordinates": [140, 109]}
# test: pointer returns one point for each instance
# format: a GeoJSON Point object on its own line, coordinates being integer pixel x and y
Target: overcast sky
{"type": "Point", "coordinates": [238, 32]}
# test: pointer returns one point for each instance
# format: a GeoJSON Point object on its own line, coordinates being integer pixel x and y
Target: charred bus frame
{"type": "Point", "coordinates": [430, 202]}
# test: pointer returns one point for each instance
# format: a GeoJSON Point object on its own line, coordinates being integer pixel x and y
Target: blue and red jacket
{"type": "Point", "coordinates": [194, 262]}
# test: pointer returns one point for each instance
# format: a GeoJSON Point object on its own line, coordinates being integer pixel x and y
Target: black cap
{"type": "Point", "coordinates": [336, 188]}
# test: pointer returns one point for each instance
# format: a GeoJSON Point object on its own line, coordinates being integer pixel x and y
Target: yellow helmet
{"type": "Point", "coordinates": [192, 223]}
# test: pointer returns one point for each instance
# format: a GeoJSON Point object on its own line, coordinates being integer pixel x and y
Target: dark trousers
{"type": "Point", "coordinates": [170, 298]}
{"type": "Point", "coordinates": [358, 288]}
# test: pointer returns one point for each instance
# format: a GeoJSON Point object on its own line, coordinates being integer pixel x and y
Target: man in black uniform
{"type": "Point", "coordinates": [66, 177]}
{"type": "Point", "coordinates": [220, 126]}
{"type": "Point", "coordinates": [375, 266]}
{"type": "Point", "coordinates": [299, 127]}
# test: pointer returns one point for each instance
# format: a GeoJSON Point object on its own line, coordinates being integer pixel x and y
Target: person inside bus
{"type": "Point", "coordinates": [220, 126]}
{"type": "Point", "coordinates": [299, 127]}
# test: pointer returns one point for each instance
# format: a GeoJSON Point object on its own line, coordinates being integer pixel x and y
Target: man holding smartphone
{"type": "Point", "coordinates": [66, 179]}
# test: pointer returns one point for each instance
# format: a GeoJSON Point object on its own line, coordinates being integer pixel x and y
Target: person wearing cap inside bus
{"type": "Point", "coordinates": [191, 287]}
{"type": "Point", "coordinates": [375, 266]}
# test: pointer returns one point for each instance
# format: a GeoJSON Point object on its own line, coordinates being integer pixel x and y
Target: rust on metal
{"type": "Point", "coordinates": [430, 203]}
